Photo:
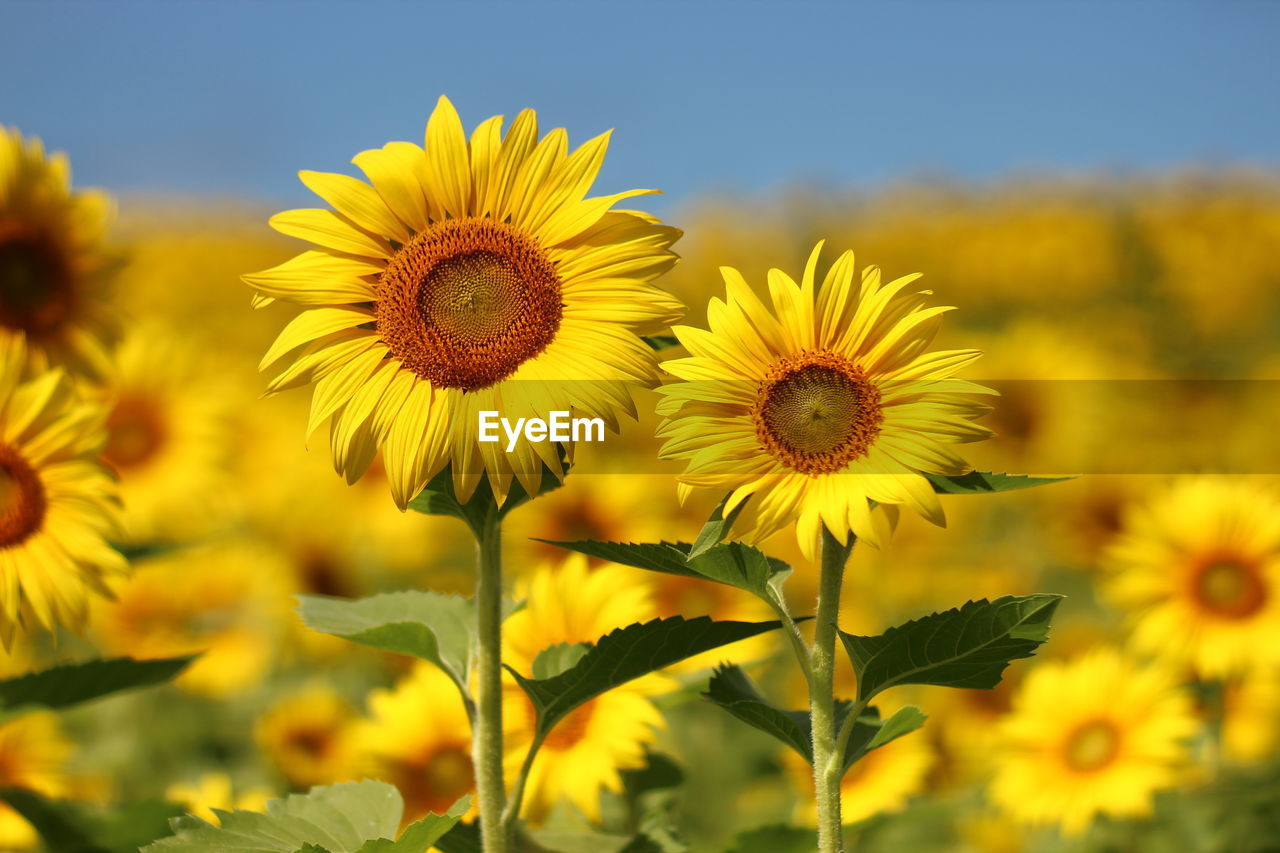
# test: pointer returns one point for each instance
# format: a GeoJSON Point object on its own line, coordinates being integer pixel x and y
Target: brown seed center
{"type": "Point", "coordinates": [1092, 746]}
{"type": "Point", "coordinates": [817, 412]}
{"type": "Point", "coordinates": [135, 432]}
{"type": "Point", "coordinates": [467, 301]}
{"type": "Point", "coordinates": [35, 284]}
{"type": "Point", "coordinates": [1229, 587]}
{"type": "Point", "coordinates": [22, 499]}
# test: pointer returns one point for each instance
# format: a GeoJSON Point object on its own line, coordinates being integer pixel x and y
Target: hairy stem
{"type": "Point", "coordinates": [827, 763]}
{"type": "Point", "coordinates": [486, 747]}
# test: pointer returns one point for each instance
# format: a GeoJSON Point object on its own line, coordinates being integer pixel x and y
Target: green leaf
{"type": "Point", "coordinates": [69, 827]}
{"type": "Point", "coordinates": [628, 653]}
{"type": "Point", "coordinates": [903, 721]}
{"type": "Point", "coordinates": [661, 342]}
{"type": "Point", "coordinates": [554, 660]}
{"type": "Point", "coordinates": [776, 838]}
{"type": "Point", "coordinates": [716, 528]}
{"type": "Point", "coordinates": [733, 563]}
{"type": "Point", "coordinates": [439, 498]}
{"type": "Point", "coordinates": [463, 838]}
{"type": "Point", "coordinates": [731, 689]}
{"type": "Point", "coordinates": [72, 683]}
{"type": "Point", "coordinates": [660, 772]}
{"type": "Point", "coordinates": [428, 625]}
{"type": "Point", "coordinates": [354, 817]}
{"type": "Point", "coordinates": [968, 646]}
{"type": "Point", "coordinates": [985, 482]}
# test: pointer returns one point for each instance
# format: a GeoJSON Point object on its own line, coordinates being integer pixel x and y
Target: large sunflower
{"type": "Point", "coordinates": [58, 503]}
{"type": "Point", "coordinates": [822, 408]}
{"type": "Point", "coordinates": [1198, 570]}
{"type": "Point", "coordinates": [53, 264]}
{"type": "Point", "coordinates": [471, 276]}
{"type": "Point", "coordinates": [1098, 735]}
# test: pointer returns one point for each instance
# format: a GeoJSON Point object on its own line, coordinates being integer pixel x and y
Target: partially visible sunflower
{"type": "Point", "coordinates": [58, 504]}
{"type": "Point", "coordinates": [418, 738]}
{"type": "Point", "coordinates": [216, 791]}
{"type": "Point", "coordinates": [881, 781]}
{"type": "Point", "coordinates": [827, 410]}
{"type": "Point", "coordinates": [473, 275]}
{"type": "Point", "coordinates": [168, 438]}
{"type": "Point", "coordinates": [54, 267]}
{"type": "Point", "coordinates": [33, 755]}
{"type": "Point", "coordinates": [582, 757]}
{"type": "Point", "coordinates": [228, 603]}
{"type": "Point", "coordinates": [1098, 735]}
{"type": "Point", "coordinates": [307, 736]}
{"type": "Point", "coordinates": [1198, 570]}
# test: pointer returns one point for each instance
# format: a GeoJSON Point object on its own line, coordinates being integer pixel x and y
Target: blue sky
{"type": "Point", "coordinates": [232, 97]}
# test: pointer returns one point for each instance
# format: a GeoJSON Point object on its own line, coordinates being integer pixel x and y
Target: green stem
{"type": "Point", "coordinates": [795, 638]}
{"type": "Point", "coordinates": [486, 748]}
{"type": "Point", "coordinates": [827, 763]}
{"type": "Point", "coordinates": [512, 811]}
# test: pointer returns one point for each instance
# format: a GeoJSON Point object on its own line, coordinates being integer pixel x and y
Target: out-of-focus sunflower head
{"type": "Point", "coordinates": [216, 790]}
{"type": "Point", "coordinates": [307, 735]}
{"type": "Point", "coordinates": [228, 602]}
{"type": "Point", "coordinates": [34, 754]}
{"type": "Point", "coordinates": [466, 276]}
{"type": "Point", "coordinates": [54, 266]}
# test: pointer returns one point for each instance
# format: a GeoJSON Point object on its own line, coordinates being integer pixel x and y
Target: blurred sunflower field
{"type": "Point", "coordinates": [242, 495]}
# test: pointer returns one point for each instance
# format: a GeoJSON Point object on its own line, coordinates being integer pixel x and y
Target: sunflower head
{"type": "Point", "coordinates": [468, 275]}
{"type": "Point", "coordinates": [824, 407]}
{"type": "Point", "coordinates": [54, 267]}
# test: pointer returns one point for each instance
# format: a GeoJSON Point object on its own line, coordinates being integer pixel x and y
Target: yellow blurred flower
{"type": "Point", "coordinates": [1197, 568]}
{"type": "Point", "coordinates": [168, 438]}
{"type": "Point", "coordinates": [418, 738]}
{"type": "Point", "coordinates": [54, 268]}
{"type": "Point", "coordinates": [307, 736]}
{"type": "Point", "coordinates": [1251, 718]}
{"type": "Point", "coordinates": [881, 781]}
{"type": "Point", "coordinates": [1098, 735]}
{"type": "Point", "coordinates": [33, 755]}
{"type": "Point", "coordinates": [584, 753]}
{"type": "Point", "coordinates": [226, 602]}
{"type": "Point", "coordinates": [215, 791]}
{"type": "Point", "coordinates": [822, 408]}
{"type": "Point", "coordinates": [471, 276]}
{"type": "Point", "coordinates": [58, 504]}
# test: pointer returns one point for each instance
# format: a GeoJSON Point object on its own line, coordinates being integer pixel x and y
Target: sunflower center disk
{"type": "Point", "coordinates": [1230, 588]}
{"type": "Point", "coordinates": [34, 291]}
{"type": "Point", "coordinates": [434, 785]}
{"type": "Point", "coordinates": [1092, 746]}
{"type": "Point", "coordinates": [466, 302]}
{"type": "Point", "coordinates": [135, 433]}
{"type": "Point", "coordinates": [818, 413]}
{"type": "Point", "coordinates": [22, 499]}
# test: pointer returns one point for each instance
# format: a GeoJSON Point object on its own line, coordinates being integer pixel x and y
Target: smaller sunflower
{"type": "Point", "coordinates": [33, 755]}
{"type": "Point", "coordinates": [168, 439]}
{"type": "Point", "coordinates": [418, 738]}
{"type": "Point", "coordinates": [58, 504]}
{"type": "Point", "coordinates": [585, 752]}
{"type": "Point", "coordinates": [826, 410]}
{"type": "Point", "coordinates": [1198, 570]}
{"type": "Point", "coordinates": [216, 791]}
{"type": "Point", "coordinates": [54, 268]}
{"type": "Point", "coordinates": [1098, 735]}
{"type": "Point", "coordinates": [306, 735]}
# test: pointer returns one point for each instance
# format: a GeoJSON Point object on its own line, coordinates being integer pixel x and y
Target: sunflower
{"type": "Point", "coordinates": [881, 781]}
{"type": "Point", "coordinates": [571, 603]}
{"type": "Point", "coordinates": [1097, 735]}
{"type": "Point", "coordinates": [471, 276]}
{"type": "Point", "coordinates": [54, 268]}
{"type": "Point", "coordinates": [216, 791]}
{"type": "Point", "coordinates": [418, 738]}
{"type": "Point", "coordinates": [167, 439]}
{"type": "Point", "coordinates": [58, 504]}
{"type": "Point", "coordinates": [33, 755]}
{"type": "Point", "coordinates": [822, 409]}
{"type": "Point", "coordinates": [1198, 570]}
{"type": "Point", "coordinates": [306, 735]}
{"type": "Point", "coordinates": [226, 602]}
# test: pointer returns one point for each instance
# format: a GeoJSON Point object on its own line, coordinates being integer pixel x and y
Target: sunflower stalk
{"type": "Point", "coordinates": [487, 748]}
{"type": "Point", "coordinates": [827, 758]}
